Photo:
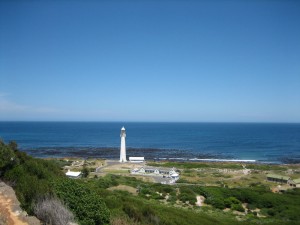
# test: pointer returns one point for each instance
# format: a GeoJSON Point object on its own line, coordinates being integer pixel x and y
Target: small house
{"type": "Point", "coordinates": [175, 176]}
{"type": "Point", "coordinates": [165, 172]}
{"type": "Point", "coordinates": [151, 170]}
{"type": "Point", "coordinates": [72, 174]}
{"type": "Point", "coordinates": [278, 178]}
{"type": "Point", "coordinates": [142, 170]}
{"type": "Point", "coordinates": [296, 183]}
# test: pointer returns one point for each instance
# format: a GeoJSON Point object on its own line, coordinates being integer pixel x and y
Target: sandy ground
{"type": "Point", "coordinates": [200, 200]}
{"type": "Point", "coordinates": [10, 211]}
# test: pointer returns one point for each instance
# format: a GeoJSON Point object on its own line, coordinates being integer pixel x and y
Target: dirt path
{"type": "Point", "coordinates": [10, 211]}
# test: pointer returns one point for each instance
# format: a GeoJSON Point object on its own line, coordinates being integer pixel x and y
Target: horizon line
{"type": "Point", "coordinates": [140, 121]}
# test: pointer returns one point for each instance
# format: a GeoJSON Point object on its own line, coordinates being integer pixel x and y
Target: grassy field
{"type": "Point", "coordinates": [228, 173]}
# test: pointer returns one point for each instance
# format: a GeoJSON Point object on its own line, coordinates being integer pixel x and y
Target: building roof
{"type": "Point", "coordinates": [281, 177]}
{"type": "Point", "coordinates": [136, 158]}
{"type": "Point", "coordinates": [297, 181]}
{"type": "Point", "coordinates": [175, 175]}
{"type": "Point", "coordinates": [151, 169]}
{"type": "Point", "coordinates": [72, 174]}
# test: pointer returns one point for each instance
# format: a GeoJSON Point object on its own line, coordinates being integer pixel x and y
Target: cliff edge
{"type": "Point", "coordinates": [10, 210]}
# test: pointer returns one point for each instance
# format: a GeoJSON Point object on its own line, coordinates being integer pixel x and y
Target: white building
{"type": "Point", "coordinates": [174, 176]}
{"type": "Point", "coordinates": [123, 146]}
{"type": "Point", "coordinates": [136, 159]}
{"type": "Point", "coordinates": [73, 174]}
{"type": "Point", "coordinates": [157, 171]}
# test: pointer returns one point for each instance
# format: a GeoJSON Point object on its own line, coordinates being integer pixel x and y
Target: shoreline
{"type": "Point", "coordinates": [232, 162]}
{"type": "Point", "coordinates": [153, 154]}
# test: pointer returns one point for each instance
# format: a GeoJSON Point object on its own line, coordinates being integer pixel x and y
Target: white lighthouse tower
{"type": "Point", "coordinates": [123, 146]}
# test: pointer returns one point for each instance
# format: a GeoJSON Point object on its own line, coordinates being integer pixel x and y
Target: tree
{"type": "Point", "coordinates": [13, 145]}
{"type": "Point", "coordinates": [7, 156]}
{"type": "Point", "coordinates": [85, 172]}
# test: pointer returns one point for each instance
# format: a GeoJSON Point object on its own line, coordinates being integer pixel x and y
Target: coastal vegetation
{"type": "Point", "coordinates": [34, 179]}
{"type": "Point", "coordinates": [228, 174]}
{"type": "Point", "coordinates": [224, 165]}
{"type": "Point", "coordinates": [92, 200]}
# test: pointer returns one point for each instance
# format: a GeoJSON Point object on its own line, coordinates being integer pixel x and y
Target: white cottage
{"type": "Point", "coordinates": [72, 174]}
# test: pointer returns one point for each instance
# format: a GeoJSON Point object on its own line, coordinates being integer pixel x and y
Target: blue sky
{"type": "Point", "coordinates": [204, 61]}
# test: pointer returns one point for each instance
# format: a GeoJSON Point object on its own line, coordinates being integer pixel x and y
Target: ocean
{"type": "Point", "coordinates": [263, 142]}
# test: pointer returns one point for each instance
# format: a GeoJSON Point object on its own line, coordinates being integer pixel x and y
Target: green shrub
{"type": "Point", "coordinates": [7, 157]}
{"type": "Point", "coordinates": [172, 199]}
{"type": "Point", "coordinates": [133, 211]}
{"type": "Point", "coordinates": [187, 194]}
{"type": "Point", "coordinates": [237, 207]}
{"type": "Point", "coordinates": [85, 172]}
{"type": "Point", "coordinates": [31, 178]}
{"type": "Point", "coordinates": [181, 180]}
{"type": "Point", "coordinates": [231, 201]}
{"type": "Point", "coordinates": [88, 207]}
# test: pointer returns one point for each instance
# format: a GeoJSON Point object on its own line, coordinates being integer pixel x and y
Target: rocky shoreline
{"type": "Point", "coordinates": [148, 153]}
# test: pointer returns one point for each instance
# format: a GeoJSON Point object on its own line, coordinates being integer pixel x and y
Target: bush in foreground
{"type": "Point", "coordinates": [52, 211]}
{"type": "Point", "coordinates": [89, 207]}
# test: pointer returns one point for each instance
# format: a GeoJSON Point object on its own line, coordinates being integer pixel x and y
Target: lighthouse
{"type": "Point", "coordinates": [123, 146]}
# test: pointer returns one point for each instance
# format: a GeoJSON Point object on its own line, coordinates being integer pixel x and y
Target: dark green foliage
{"type": "Point", "coordinates": [30, 177]}
{"type": "Point", "coordinates": [150, 212]}
{"type": "Point", "coordinates": [172, 198]}
{"type": "Point", "coordinates": [112, 202]}
{"type": "Point", "coordinates": [111, 180]}
{"type": "Point", "coordinates": [147, 210]}
{"type": "Point", "coordinates": [231, 200]}
{"type": "Point", "coordinates": [13, 145]}
{"type": "Point", "coordinates": [214, 196]}
{"type": "Point", "coordinates": [257, 196]}
{"type": "Point", "coordinates": [237, 207]}
{"type": "Point", "coordinates": [88, 207]}
{"type": "Point", "coordinates": [281, 206]}
{"type": "Point", "coordinates": [28, 187]}
{"type": "Point", "coordinates": [186, 194]}
{"type": "Point", "coordinates": [108, 181]}
{"type": "Point", "coordinates": [133, 211]}
{"type": "Point", "coordinates": [85, 172]}
{"type": "Point", "coordinates": [145, 191]}
{"type": "Point", "coordinates": [61, 163]}
{"type": "Point", "coordinates": [234, 204]}
{"type": "Point", "coordinates": [7, 157]}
